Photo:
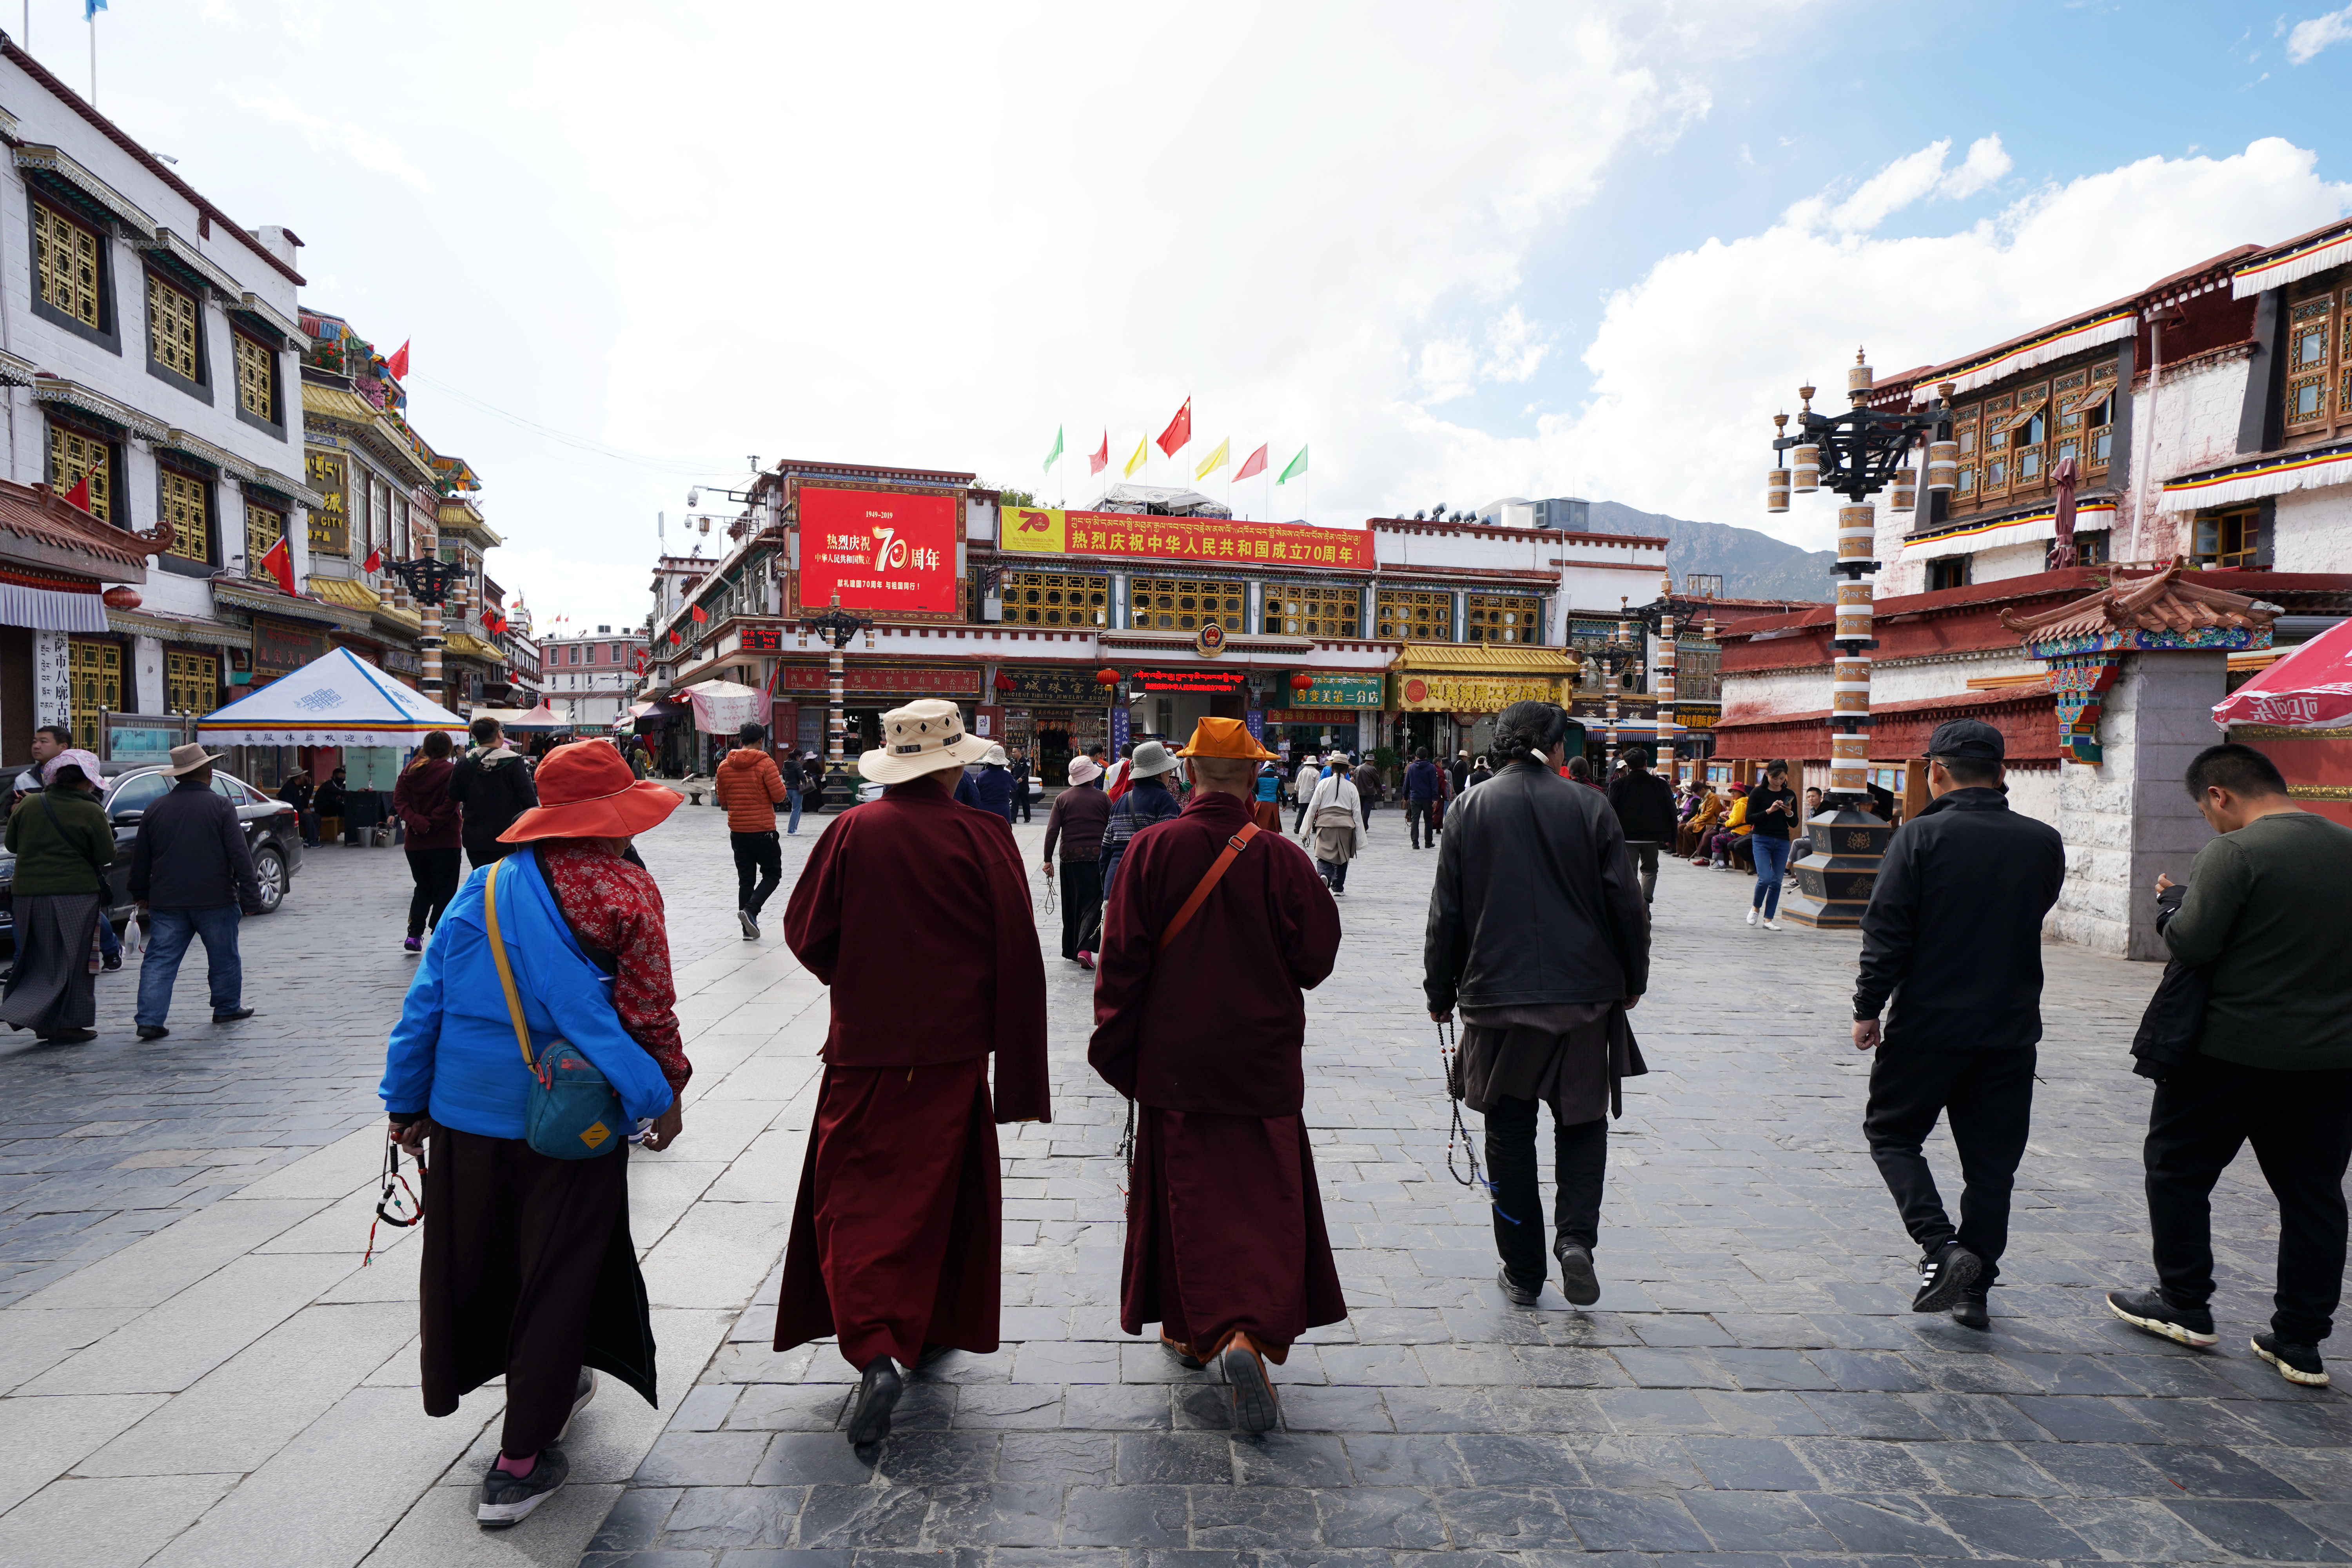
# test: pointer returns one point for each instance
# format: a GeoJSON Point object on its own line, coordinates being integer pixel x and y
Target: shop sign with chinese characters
{"type": "Point", "coordinates": [1052, 689]}
{"type": "Point", "coordinates": [869, 680]}
{"type": "Point", "coordinates": [890, 553]}
{"type": "Point", "coordinates": [1188, 680]}
{"type": "Point", "coordinates": [279, 648]}
{"type": "Point", "coordinates": [1341, 691]}
{"type": "Point", "coordinates": [1470, 693]}
{"type": "Point", "coordinates": [1195, 539]}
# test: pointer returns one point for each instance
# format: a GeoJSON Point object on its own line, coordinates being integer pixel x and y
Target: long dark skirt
{"type": "Point", "coordinates": [897, 1240]}
{"type": "Point", "coordinates": [52, 988]}
{"type": "Point", "coordinates": [528, 1274]}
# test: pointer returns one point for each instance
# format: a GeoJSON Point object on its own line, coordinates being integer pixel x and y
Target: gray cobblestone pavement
{"type": "Point", "coordinates": [1751, 1388]}
{"type": "Point", "coordinates": [193, 1369]}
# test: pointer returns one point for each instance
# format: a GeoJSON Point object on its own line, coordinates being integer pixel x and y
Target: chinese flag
{"type": "Point", "coordinates": [279, 561]}
{"type": "Point", "coordinates": [397, 366]}
{"type": "Point", "coordinates": [700, 614]}
{"type": "Point", "coordinates": [1179, 431]}
{"type": "Point", "coordinates": [79, 495]}
{"type": "Point", "coordinates": [374, 562]}
{"type": "Point", "coordinates": [1256, 464]}
{"type": "Point", "coordinates": [1101, 458]}
{"type": "Point", "coordinates": [674, 636]}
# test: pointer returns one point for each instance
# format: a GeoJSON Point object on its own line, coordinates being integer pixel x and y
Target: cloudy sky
{"type": "Point", "coordinates": [1460, 252]}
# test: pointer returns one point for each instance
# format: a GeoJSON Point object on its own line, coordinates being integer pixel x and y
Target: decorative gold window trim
{"type": "Point", "coordinates": [255, 365]}
{"type": "Point", "coordinates": [1516, 617]}
{"type": "Point", "coordinates": [264, 527]}
{"type": "Point", "coordinates": [1415, 614]}
{"type": "Point", "coordinates": [1180, 604]}
{"type": "Point", "coordinates": [95, 680]}
{"type": "Point", "coordinates": [187, 502]}
{"type": "Point", "coordinates": [1056, 599]}
{"type": "Point", "coordinates": [174, 321]}
{"type": "Point", "coordinates": [191, 682]}
{"type": "Point", "coordinates": [1302, 610]}
{"type": "Point", "coordinates": [66, 265]}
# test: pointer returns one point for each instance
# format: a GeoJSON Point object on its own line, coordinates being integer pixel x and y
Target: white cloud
{"type": "Point", "coordinates": [368, 149]}
{"type": "Point", "coordinates": [1987, 163]}
{"type": "Point", "coordinates": [1514, 347]}
{"type": "Point", "coordinates": [1690, 363]}
{"type": "Point", "coordinates": [1907, 180]}
{"type": "Point", "coordinates": [2309, 37]}
{"type": "Point", "coordinates": [1449, 369]}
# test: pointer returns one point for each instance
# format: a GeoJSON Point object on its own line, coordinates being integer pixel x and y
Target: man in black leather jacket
{"type": "Point", "coordinates": [1644, 804]}
{"type": "Point", "coordinates": [1953, 936]}
{"type": "Point", "coordinates": [1538, 930]}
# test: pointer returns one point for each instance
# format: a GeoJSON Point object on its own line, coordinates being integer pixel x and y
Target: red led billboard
{"type": "Point", "coordinates": [885, 551]}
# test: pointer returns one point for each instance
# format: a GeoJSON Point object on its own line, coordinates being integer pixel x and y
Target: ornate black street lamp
{"type": "Point", "coordinates": [429, 581]}
{"type": "Point", "coordinates": [836, 627]}
{"type": "Point", "coordinates": [1856, 455]}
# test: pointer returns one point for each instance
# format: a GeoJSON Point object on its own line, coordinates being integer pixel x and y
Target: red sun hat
{"type": "Point", "coordinates": [587, 790]}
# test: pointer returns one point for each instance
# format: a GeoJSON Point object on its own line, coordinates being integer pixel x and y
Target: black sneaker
{"type": "Point", "coordinates": [1516, 1294]}
{"type": "Point", "coordinates": [507, 1499]}
{"type": "Point", "coordinates": [1943, 1275]}
{"type": "Point", "coordinates": [878, 1395]}
{"type": "Point", "coordinates": [1972, 1310]}
{"type": "Point", "coordinates": [2297, 1364]}
{"type": "Point", "coordinates": [1578, 1281]}
{"type": "Point", "coordinates": [580, 1395]}
{"type": "Point", "coordinates": [2148, 1309]}
{"type": "Point", "coordinates": [152, 1031]}
{"type": "Point", "coordinates": [113, 960]}
{"type": "Point", "coordinates": [232, 1016]}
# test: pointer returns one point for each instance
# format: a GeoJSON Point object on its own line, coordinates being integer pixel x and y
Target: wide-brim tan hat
{"type": "Point", "coordinates": [187, 759]}
{"type": "Point", "coordinates": [921, 737]}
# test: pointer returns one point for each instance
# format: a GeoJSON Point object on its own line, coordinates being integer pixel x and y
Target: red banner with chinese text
{"type": "Point", "coordinates": [1047, 530]}
{"type": "Point", "coordinates": [882, 551]}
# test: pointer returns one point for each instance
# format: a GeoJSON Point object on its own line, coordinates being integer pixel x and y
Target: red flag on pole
{"type": "Point", "coordinates": [1100, 460]}
{"type": "Point", "coordinates": [700, 614]}
{"type": "Point", "coordinates": [397, 366]}
{"type": "Point", "coordinates": [280, 562]}
{"type": "Point", "coordinates": [1179, 431]}
{"type": "Point", "coordinates": [79, 495]}
{"type": "Point", "coordinates": [1256, 464]}
{"type": "Point", "coordinates": [374, 562]}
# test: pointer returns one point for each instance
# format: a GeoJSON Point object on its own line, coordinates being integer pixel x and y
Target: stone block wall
{"type": "Point", "coordinates": [2129, 817]}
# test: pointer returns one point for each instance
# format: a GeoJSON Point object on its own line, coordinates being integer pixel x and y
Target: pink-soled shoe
{"type": "Point", "coordinates": [1086, 959]}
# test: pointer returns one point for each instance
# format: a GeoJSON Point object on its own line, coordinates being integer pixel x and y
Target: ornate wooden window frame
{"type": "Point", "coordinates": [176, 488]}
{"type": "Point", "coordinates": [105, 489]}
{"type": "Point", "coordinates": [50, 221]}
{"type": "Point", "coordinates": [1056, 598]}
{"type": "Point", "coordinates": [1479, 619]}
{"type": "Point", "coordinates": [1226, 601]}
{"type": "Point", "coordinates": [169, 303]}
{"type": "Point", "coordinates": [1327, 610]}
{"type": "Point", "coordinates": [1413, 615]}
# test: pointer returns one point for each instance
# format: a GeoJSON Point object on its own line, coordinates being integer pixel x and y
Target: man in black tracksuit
{"type": "Point", "coordinates": [1953, 935]}
{"type": "Point", "coordinates": [492, 785]}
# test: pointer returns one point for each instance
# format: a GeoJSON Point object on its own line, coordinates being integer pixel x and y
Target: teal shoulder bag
{"type": "Point", "coordinates": [575, 1113]}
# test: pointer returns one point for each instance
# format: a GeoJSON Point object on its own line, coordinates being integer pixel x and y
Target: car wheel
{"type": "Point", "coordinates": [269, 870]}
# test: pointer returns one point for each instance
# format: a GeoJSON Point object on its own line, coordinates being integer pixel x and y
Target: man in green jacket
{"type": "Point", "coordinates": [2265, 912]}
{"type": "Point", "coordinates": [63, 845]}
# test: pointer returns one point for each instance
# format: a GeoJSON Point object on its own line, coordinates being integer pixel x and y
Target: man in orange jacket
{"type": "Point", "coordinates": [749, 785]}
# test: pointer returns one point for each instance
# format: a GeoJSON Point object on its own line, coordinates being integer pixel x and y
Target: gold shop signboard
{"type": "Point", "coordinates": [1446, 693]}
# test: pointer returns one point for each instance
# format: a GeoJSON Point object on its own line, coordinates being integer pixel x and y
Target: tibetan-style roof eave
{"type": "Point", "coordinates": [2165, 602]}
{"type": "Point", "coordinates": [50, 532]}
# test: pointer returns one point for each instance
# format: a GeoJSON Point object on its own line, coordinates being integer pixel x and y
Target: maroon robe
{"type": "Point", "coordinates": [1224, 1224]}
{"type": "Point", "coordinates": [916, 911]}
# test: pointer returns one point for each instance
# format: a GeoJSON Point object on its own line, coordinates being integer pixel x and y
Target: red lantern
{"type": "Point", "coordinates": [1301, 681]}
{"type": "Point", "coordinates": [1106, 678]}
{"type": "Point", "coordinates": [120, 598]}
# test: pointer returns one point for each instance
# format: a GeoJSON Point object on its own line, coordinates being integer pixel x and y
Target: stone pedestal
{"type": "Point", "coordinates": [2128, 816]}
{"type": "Point", "coordinates": [1834, 882]}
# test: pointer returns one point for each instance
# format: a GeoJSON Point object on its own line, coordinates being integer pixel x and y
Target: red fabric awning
{"type": "Point", "coordinates": [2309, 687]}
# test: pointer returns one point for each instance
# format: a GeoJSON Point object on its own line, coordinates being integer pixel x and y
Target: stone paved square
{"type": "Point", "coordinates": [193, 1368]}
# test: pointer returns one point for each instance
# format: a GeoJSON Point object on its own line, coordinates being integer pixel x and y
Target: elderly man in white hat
{"type": "Point", "coordinates": [1076, 826]}
{"type": "Point", "coordinates": [915, 910]}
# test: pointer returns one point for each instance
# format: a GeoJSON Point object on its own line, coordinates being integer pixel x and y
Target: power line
{"type": "Point", "coordinates": [685, 466]}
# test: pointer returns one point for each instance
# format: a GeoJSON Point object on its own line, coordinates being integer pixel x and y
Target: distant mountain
{"type": "Point", "coordinates": [1754, 566]}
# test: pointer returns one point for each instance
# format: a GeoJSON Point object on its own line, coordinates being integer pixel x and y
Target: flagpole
{"type": "Point", "coordinates": [93, 59]}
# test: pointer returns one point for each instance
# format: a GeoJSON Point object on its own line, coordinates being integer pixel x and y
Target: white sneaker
{"type": "Point", "coordinates": [1751, 914]}
{"type": "Point", "coordinates": [1771, 925]}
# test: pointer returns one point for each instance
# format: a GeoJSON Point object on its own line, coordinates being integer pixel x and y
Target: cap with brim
{"type": "Point", "coordinates": [1225, 738]}
{"type": "Point", "coordinates": [1967, 739]}
{"type": "Point", "coordinates": [924, 737]}
{"type": "Point", "coordinates": [1151, 760]}
{"type": "Point", "coordinates": [587, 790]}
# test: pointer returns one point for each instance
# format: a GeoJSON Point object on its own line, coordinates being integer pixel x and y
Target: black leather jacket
{"type": "Point", "coordinates": [1535, 900]}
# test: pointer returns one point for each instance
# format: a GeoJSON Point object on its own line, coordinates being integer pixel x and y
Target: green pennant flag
{"type": "Point", "coordinates": [1053, 455]}
{"type": "Point", "coordinates": [1297, 465]}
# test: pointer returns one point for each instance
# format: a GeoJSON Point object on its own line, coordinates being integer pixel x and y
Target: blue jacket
{"type": "Point", "coordinates": [1421, 781]}
{"type": "Point", "coordinates": [994, 785]}
{"type": "Point", "coordinates": [453, 1052]}
{"type": "Point", "coordinates": [1148, 802]}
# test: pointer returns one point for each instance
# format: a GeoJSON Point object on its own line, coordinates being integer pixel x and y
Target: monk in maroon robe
{"type": "Point", "coordinates": [915, 910]}
{"type": "Point", "coordinates": [1200, 1019]}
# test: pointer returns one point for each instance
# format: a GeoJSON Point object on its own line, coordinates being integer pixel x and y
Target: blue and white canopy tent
{"type": "Point", "coordinates": [339, 700]}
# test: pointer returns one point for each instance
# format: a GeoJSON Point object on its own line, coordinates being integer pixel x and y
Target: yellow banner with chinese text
{"type": "Point", "coordinates": [1051, 530]}
{"type": "Point", "coordinates": [1471, 693]}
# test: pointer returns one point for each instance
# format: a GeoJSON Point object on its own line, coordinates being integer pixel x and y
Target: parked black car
{"type": "Point", "coordinates": [273, 831]}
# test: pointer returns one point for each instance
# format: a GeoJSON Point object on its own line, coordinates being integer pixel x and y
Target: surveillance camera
{"type": "Point", "coordinates": [694, 495]}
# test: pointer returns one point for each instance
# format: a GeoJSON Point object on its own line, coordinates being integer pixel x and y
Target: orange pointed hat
{"type": "Point", "coordinates": [1225, 738]}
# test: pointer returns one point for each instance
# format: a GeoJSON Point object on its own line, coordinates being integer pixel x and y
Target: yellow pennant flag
{"type": "Point", "coordinates": [1137, 461]}
{"type": "Point", "coordinates": [1214, 460]}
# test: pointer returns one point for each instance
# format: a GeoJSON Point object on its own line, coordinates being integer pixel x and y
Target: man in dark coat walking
{"type": "Point", "coordinates": [492, 786]}
{"type": "Point", "coordinates": [192, 874]}
{"type": "Point", "coordinates": [1644, 805]}
{"type": "Point", "coordinates": [1953, 938]}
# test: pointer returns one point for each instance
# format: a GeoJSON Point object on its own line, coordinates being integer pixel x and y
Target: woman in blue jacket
{"type": "Point", "coordinates": [530, 1273]}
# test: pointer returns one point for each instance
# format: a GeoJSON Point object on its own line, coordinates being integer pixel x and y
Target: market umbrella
{"type": "Point", "coordinates": [338, 700]}
{"type": "Point", "coordinates": [2308, 688]}
{"type": "Point", "coordinates": [543, 720]}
